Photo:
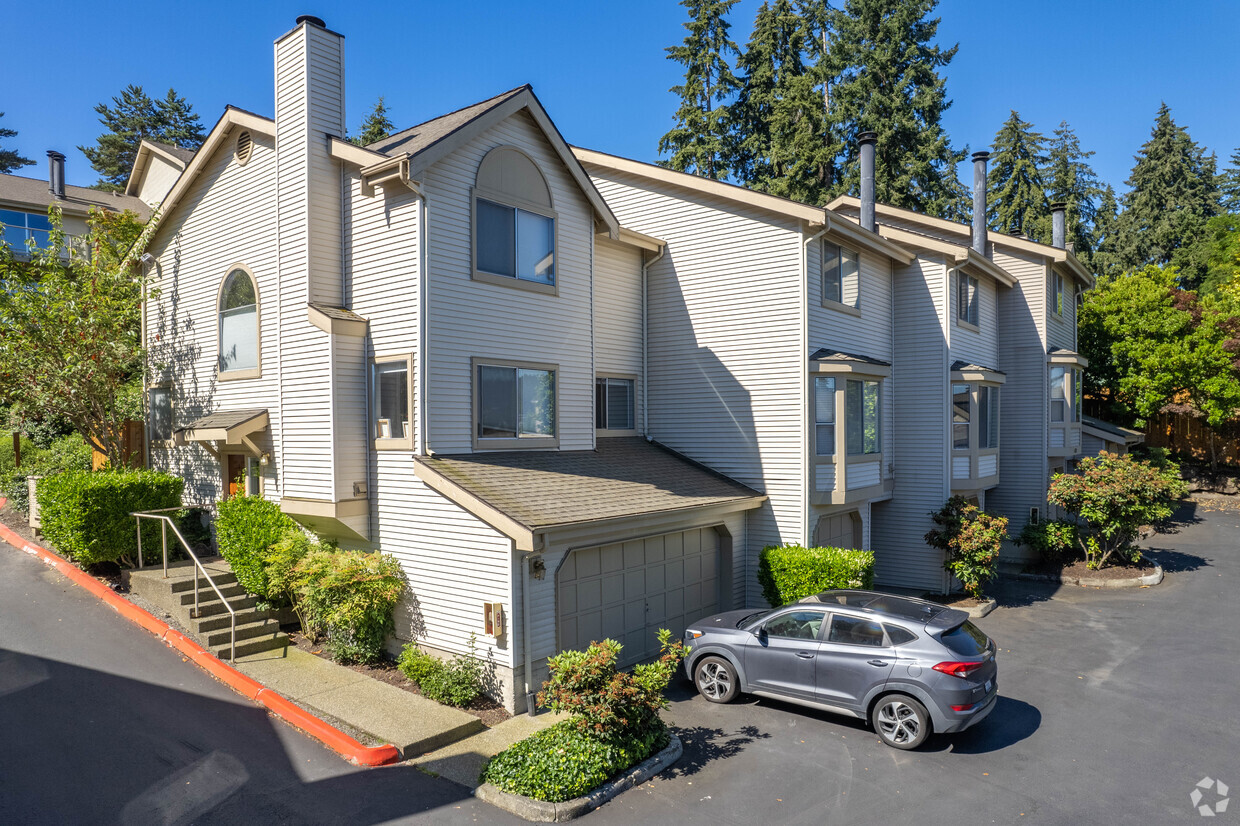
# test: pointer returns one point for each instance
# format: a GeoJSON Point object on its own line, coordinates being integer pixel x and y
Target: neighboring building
{"type": "Point", "coordinates": [450, 344]}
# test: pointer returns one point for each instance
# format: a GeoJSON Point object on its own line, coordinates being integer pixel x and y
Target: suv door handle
{"type": "Point", "coordinates": [878, 662]}
{"type": "Point", "coordinates": [805, 655]}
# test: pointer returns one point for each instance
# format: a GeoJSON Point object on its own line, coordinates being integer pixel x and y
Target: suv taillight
{"type": "Point", "coordinates": [961, 670]}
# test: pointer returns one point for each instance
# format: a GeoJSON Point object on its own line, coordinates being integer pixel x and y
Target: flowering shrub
{"type": "Point", "coordinates": [972, 539]}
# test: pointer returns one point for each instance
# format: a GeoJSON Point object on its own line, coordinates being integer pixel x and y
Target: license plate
{"type": "Point", "coordinates": [988, 685]}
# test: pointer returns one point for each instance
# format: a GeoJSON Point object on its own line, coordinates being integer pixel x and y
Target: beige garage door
{"type": "Point", "coordinates": [629, 590]}
{"type": "Point", "coordinates": [843, 530]}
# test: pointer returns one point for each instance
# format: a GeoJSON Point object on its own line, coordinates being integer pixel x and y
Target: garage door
{"type": "Point", "coordinates": [843, 530]}
{"type": "Point", "coordinates": [629, 590]}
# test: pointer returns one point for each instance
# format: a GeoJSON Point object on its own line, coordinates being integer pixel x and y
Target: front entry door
{"type": "Point", "coordinates": [234, 474]}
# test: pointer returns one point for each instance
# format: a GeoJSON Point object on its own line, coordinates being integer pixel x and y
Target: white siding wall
{"type": "Point", "coordinates": [902, 557]}
{"type": "Point", "coordinates": [618, 313]}
{"type": "Point", "coordinates": [725, 356]}
{"type": "Point", "coordinates": [1061, 330]}
{"type": "Point", "coordinates": [979, 347]}
{"type": "Point", "coordinates": [227, 217]}
{"type": "Point", "coordinates": [158, 179]}
{"type": "Point", "coordinates": [475, 319]}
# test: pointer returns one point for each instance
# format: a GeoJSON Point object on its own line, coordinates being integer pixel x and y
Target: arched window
{"type": "Point", "coordinates": [514, 223]}
{"type": "Point", "coordinates": [239, 325]}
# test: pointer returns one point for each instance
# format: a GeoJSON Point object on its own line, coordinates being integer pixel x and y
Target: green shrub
{"type": "Point", "coordinates": [346, 598]}
{"type": "Point", "coordinates": [86, 516]}
{"type": "Point", "coordinates": [279, 564]}
{"type": "Point", "coordinates": [971, 539]}
{"type": "Point", "coordinates": [245, 527]}
{"type": "Point", "coordinates": [1054, 540]}
{"type": "Point", "coordinates": [456, 682]}
{"type": "Point", "coordinates": [790, 572]}
{"type": "Point", "coordinates": [561, 762]}
{"type": "Point", "coordinates": [64, 454]}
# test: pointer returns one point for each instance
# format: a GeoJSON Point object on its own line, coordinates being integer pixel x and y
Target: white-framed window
{"type": "Point", "coordinates": [862, 417]}
{"type": "Point", "coordinates": [614, 402]}
{"type": "Point", "coordinates": [515, 405]}
{"type": "Point", "coordinates": [841, 275]}
{"type": "Point", "coordinates": [1056, 295]}
{"type": "Point", "coordinates": [159, 413]}
{"type": "Point", "coordinates": [19, 227]}
{"type": "Point", "coordinates": [968, 299]}
{"type": "Point", "coordinates": [514, 223]}
{"type": "Point", "coordinates": [824, 415]}
{"type": "Point", "coordinates": [1059, 398]}
{"type": "Point", "coordinates": [987, 416]}
{"type": "Point", "coordinates": [238, 324]}
{"type": "Point", "coordinates": [962, 415]}
{"type": "Point", "coordinates": [391, 402]}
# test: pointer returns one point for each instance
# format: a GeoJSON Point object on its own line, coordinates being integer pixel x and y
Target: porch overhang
{"type": "Point", "coordinates": [231, 427]}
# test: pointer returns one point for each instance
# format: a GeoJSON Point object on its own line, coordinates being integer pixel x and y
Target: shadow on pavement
{"type": "Point", "coordinates": [86, 746]}
{"type": "Point", "coordinates": [1009, 723]}
{"type": "Point", "coordinates": [705, 745]}
{"type": "Point", "coordinates": [1174, 562]}
{"type": "Point", "coordinates": [1020, 593]}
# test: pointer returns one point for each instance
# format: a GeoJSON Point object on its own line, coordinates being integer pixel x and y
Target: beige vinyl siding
{"type": "Point", "coordinates": [1061, 330]}
{"type": "Point", "coordinates": [228, 216]}
{"type": "Point", "coordinates": [618, 313]}
{"type": "Point", "coordinates": [158, 179]}
{"type": "Point", "coordinates": [351, 428]}
{"type": "Point", "coordinates": [902, 558]}
{"type": "Point", "coordinates": [981, 346]}
{"type": "Point", "coordinates": [473, 319]}
{"type": "Point", "coordinates": [725, 353]}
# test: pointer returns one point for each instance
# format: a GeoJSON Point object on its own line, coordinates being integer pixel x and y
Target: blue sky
{"type": "Point", "coordinates": [600, 69]}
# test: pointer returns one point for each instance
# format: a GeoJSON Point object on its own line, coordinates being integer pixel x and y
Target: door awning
{"type": "Point", "coordinates": [228, 427]}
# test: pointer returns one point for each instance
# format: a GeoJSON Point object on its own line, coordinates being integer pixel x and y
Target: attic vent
{"type": "Point", "coordinates": [245, 145]}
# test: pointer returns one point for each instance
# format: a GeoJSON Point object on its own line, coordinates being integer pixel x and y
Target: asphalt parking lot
{"type": "Point", "coordinates": [1114, 705]}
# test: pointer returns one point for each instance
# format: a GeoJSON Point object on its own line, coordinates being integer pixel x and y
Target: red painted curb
{"type": "Point", "coordinates": [251, 689]}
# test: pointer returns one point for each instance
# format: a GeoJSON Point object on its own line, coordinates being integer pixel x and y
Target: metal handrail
{"type": "Point", "coordinates": [165, 523]}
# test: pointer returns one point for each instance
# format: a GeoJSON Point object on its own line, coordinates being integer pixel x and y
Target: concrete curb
{"type": "Point", "coordinates": [540, 811]}
{"type": "Point", "coordinates": [1118, 582]}
{"type": "Point", "coordinates": [979, 611]}
{"type": "Point", "coordinates": [330, 736]}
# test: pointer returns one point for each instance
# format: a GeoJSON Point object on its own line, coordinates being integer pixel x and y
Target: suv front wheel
{"type": "Point", "coordinates": [716, 680]}
{"type": "Point", "coordinates": [901, 721]}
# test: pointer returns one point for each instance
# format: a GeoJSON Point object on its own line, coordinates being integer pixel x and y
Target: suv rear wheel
{"type": "Point", "coordinates": [901, 721]}
{"type": "Point", "coordinates": [716, 680]}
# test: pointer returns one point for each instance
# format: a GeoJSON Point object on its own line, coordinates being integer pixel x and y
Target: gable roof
{"type": "Point", "coordinates": [174, 155]}
{"type": "Point", "coordinates": [1111, 432]}
{"type": "Point", "coordinates": [19, 192]}
{"type": "Point", "coordinates": [431, 141]}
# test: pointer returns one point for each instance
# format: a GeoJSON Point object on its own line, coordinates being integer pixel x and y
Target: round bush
{"type": "Point", "coordinates": [245, 527]}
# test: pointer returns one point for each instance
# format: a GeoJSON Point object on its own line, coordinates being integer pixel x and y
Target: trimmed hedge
{"type": "Point", "coordinates": [64, 454]}
{"type": "Point", "coordinates": [86, 516]}
{"type": "Point", "coordinates": [791, 572]}
{"type": "Point", "coordinates": [348, 599]}
{"type": "Point", "coordinates": [245, 527]}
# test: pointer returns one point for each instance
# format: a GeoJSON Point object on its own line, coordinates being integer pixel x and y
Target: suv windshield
{"type": "Point", "coordinates": [967, 640]}
{"type": "Point", "coordinates": [754, 617]}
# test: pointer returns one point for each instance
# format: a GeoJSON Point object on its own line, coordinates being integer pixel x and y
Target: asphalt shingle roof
{"type": "Point", "coordinates": [960, 366]}
{"type": "Point", "coordinates": [824, 354]}
{"type": "Point", "coordinates": [417, 138]}
{"type": "Point", "coordinates": [183, 155]}
{"type": "Point", "coordinates": [32, 193]}
{"type": "Point", "coordinates": [223, 419]}
{"type": "Point", "coordinates": [622, 477]}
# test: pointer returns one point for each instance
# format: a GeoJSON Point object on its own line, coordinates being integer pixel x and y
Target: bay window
{"type": "Point", "coordinates": [962, 406]}
{"type": "Point", "coordinates": [1059, 399]}
{"type": "Point", "coordinates": [861, 417]}
{"type": "Point", "coordinates": [988, 417]}
{"type": "Point", "coordinates": [824, 416]}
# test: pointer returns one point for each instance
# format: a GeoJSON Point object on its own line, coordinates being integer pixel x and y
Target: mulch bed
{"type": "Point", "coordinates": [1078, 570]}
{"type": "Point", "coordinates": [956, 600]}
{"type": "Point", "coordinates": [484, 708]}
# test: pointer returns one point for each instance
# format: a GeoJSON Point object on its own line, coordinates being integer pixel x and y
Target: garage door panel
{"type": "Point", "coordinates": [634, 554]}
{"type": "Point", "coordinates": [613, 590]}
{"type": "Point", "coordinates": [568, 598]}
{"type": "Point", "coordinates": [654, 550]}
{"type": "Point", "coordinates": [589, 592]}
{"type": "Point", "coordinates": [656, 581]}
{"type": "Point", "coordinates": [612, 558]}
{"type": "Point", "coordinates": [674, 546]}
{"type": "Point", "coordinates": [613, 623]}
{"type": "Point", "coordinates": [587, 563]}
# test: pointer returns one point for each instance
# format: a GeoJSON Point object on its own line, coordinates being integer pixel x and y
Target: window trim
{"type": "Point", "coordinates": [172, 406]}
{"type": "Point", "coordinates": [255, 372]}
{"type": "Point", "coordinates": [975, 382]}
{"type": "Point", "coordinates": [1056, 294]}
{"type": "Point", "coordinates": [516, 202]}
{"type": "Point", "coordinates": [609, 432]}
{"type": "Point", "coordinates": [830, 303]}
{"type": "Point", "coordinates": [485, 443]}
{"type": "Point", "coordinates": [961, 320]}
{"type": "Point", "coordinates": [405, 443]}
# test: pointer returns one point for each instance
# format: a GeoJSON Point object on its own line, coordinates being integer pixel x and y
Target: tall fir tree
{"type": "Point", "coordinates": [1070, 179]}
{"type": "Point", "coordinates": [885, 78]}
{"type": "Point", "coordinates": [698, 141]}
{"type": "Point", "coordinates": [1104, 258]}
{"type": "Point", "coordinates": [1173, 193]}
{"type": "Point", "coordinates": [376, 126]}
{"type": "Point", "coordinates": [1229, 184]}
{"type": "Point", "coordinates": [1016, 197]}
{"type": "Point", "coordinates": [134, 116]}
{"type": "Point", "coordinates": [10, 159]}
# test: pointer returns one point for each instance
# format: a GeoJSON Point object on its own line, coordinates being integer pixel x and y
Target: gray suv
{"type": "Point", "coordinates": [909, 666]}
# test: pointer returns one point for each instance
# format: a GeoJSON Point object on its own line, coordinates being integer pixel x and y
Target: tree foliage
{"type": "Point", "coordinates": [1222, 240]}
{"type": "Point", "coordinates": [1068, 178]}
{"type": "Point", "coordinates": [10, 159]}
{"type": "Point", "coordinates": [1104, 258]}
{"type": "Point", "coordinates": [1229, 184]}
{"type": "Point", "coordinates": [1112, 497]}
{"type": "Point", "coordinates": [1016, 202]}
{"type": "Point", "coordinates": [132, 117]}
{"type": "Point", "coordinates": [698, 141]}
{"type": "Point", "coordinates": [70, 329]}
{"type": "Point", "coordinates": [376, 126]}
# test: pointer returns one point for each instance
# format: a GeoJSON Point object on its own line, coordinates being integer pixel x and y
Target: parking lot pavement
{"type": "Point", "coordinates": [1114, 705]}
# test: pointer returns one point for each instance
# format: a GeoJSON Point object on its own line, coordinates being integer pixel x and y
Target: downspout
{"type": "Point", "coordinates": [803, 366]}
{"type": "Point", "coordinates": [949, 273]}
{"type": "Point", "coordinates": [645, 388]}
{"type": "Point", "coordinates": [525, 626]}
{"type": "Point", "coordinates": [424, 293]}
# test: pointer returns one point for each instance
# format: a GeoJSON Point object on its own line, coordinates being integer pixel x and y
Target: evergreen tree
{"type": "Point", "coordinates": [376, 126]}
{"type": "Point", "coordinates": [885, 78]}
{"type": "Point", "coordinates": [1069, 178]}
{"type": "Point", "coordinates": [1229, 184]}
{"type": "Point", "coordinates": [698, 140]}
{"type": "Point", "coordinates": [1173, 194]}
{"type": "Point", "coordinates": [133, 117]}
{"type": "Point", "coordinates": [1016, 197]}
{"type": "Point", "coordinates": [1104, 257]}
{"type": "Point", "coordinates": [772, 55]}
{"type": "Point", "coordinates": [10, 159]}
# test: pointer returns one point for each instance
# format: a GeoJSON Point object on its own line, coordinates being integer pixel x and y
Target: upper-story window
{"type": "Point", "coordinates": [962, 415]}
{"type": "Point", "coordinates": [159, 406]}
{"type": "Point", "coordinates": [824, 415]}
{"type": "Point", "coordinates": [19, 227]}
{"type": "Point", "coordinates": [391, 402]}
{"type": "Point", "coordinates": [1059, 398]}
{"type": "Point", "coordinates": [862, 414]}
{"type": "Point", "coordinates": [841, 275]}
{"type": "Point", "coordinates": [515, 405]}
{"type": "Point", "coordinates": [975, 416]}
{"type": "Point", "coordinates": [1056, 294]}
{"type": "Point", "coordinates": [988, 416]}
{"type": "Point", "coordinates": [613, 404]}
{"type": "Point", "coordinates": [238, 325]}
{"type": "Point", "coordinates": [514, 223]}
{"type": "Point", "coordinates": [968, 299]}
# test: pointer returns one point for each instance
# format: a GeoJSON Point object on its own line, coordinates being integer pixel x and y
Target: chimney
{"type": "Point", "coordinates": [1059, 225]}
{"type": "Point", "coordinates": [866, 141]}
{"type": "Point", "coordinates": [979, 201]}
{"type": "Point", "coordinates": [56, 173]}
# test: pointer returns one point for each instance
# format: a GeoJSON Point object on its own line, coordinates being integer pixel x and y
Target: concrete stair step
{"type": "Point", "coordinates": [252, 646]}
{"type": "Point", "coordinates": [207, 594]}
{"type": "Point", "coordinates": [214, 607]}
{"type": "Point", "coordinates": [245, 631]}
{"type": "Point", "coordinates": [221, 578]}
{"type": "Point", "coordinates": [218, 621]}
